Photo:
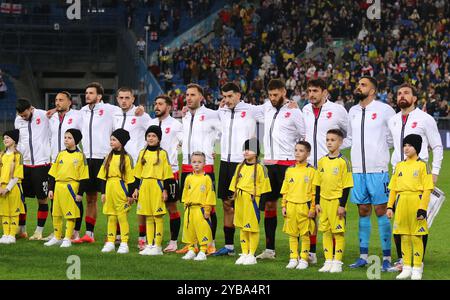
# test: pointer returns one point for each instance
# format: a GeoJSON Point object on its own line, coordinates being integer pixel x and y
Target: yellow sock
{"type": "Point", "coordinates": [244, 241]}
{"type": "Point", "coordinates": [112, 227]}
{"type": "Point", "coordinates": [57, 225]}
{"type": "Point", "coordinates": [13, 225]}
{"type": "Point", "coordinates": [159, 230]}
{"type": "Point", "coordinates": [254, 241]}
{"type": "Point", "coordinates": [124, 227]}
{"type": "Point", "coordinates": [150, 225]}
{"type": "Point", "coordinates": [6, 221]}
{"type": "Point", "coordinates": [70, 225]}
{"type": "Point", "coordinates": [306, 244]}
{"type": "Point", "coordinates": [328, 245]}
{"type": "Point", "coordinates": [417, 243]}
{"type": "Point", "coordinates": [192, 247]}
{"type": "Point", "coordinates": [340, 246]}
{"type": "Point", "coordinates": [406, 249]}
{"type": "Point", "coordinates": [203, 248]}
{"type": "Point", "coordinates": [293, 247]}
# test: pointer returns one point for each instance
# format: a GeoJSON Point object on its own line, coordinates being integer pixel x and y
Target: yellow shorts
{"type": "Point", "coordinates": [246, 212]}
{"type": "Point", "coordinates": [196, 229]}
{"type": "Point", "coordinates": [11, 204]}
{"type": "Point", "coordinates": [328, 219]}
{"type": "Point", "coordinates": [150, 202]}
{"type": "Point", "coordinates": [405, 218]}
{"type": "Point", "coordinates": [296, 222]}
{"type": "Point", "coordinates": [116, 197]}
{"type": "Point", "coordinates": [64, 204]}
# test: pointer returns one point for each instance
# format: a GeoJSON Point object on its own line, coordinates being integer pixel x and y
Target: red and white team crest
{"type": "Point", "coordinates": [38, 121]}
{"type": "Point", "coordinates": [202, 118]}
{"type": "Point", "coordinates": [167, 130]}
{"type": "Point", "coordinates": [374, 116]}
{"type": "Point", "coordinates": [287, 114]}
{"type": "Point", "coordinates": [414, 125]}
{"type": "Point", "coordinates": [70, 121]}
{"type": "Point", "coordinates": [329, 115]}
{"type": "Point", "coordinates": [100, 112]}
{"type": "Point", "coordinates": [133, 121]}
{"type": "Point", "coordinates": [243, 114]}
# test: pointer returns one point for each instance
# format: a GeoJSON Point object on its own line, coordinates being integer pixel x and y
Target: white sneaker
{"type": "Point", "coordinates": [49, 237]}
{"type": "Point", "coordinates": [302, 264]}
{"type": "Point", "coordinates": [293, 262]}
{"type": "Point", "coordinates": [336, 267]}
{"type": "Point", "coordinates": [53, 241]}
{"type": "Point", "coordinates": [146, 250]}
{"type": "Point", "coordinates": [405, 274]}
{"type": "Point", "coordinates": [123, 248]}
{"type": "Point", "coordinates": [11, 239]}
{"type": "Point", "coordinates": [108, 247]}
{"type": "Point", "coordinates": [249, 260]}
{"type": "Point", "coordinates": [312, 259]}
{"type": "Point", "coordinates": [4, 239]}
{"type": "Point", "coordinates": [267, 254]}
{"type": "Point", "coordinates": [66, 243]}
{"type": "Point", "coordinates": [241, 259]}
{"type": "Point", "coordinates": [416, 273]}
{"type": "Point", "coordinates": [326, 266]}
{"type": "Point", "coordinates": [189, 255]}
{"type": "Point", "coordinates": [171, 247]}
{"type": "Point", "coordinates": [156, 251]}
{"type": "Point", "coordinates": [200, 256]}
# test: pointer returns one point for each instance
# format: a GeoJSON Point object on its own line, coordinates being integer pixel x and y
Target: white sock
{"type": "Point", "coordinates": [142, 238]}
{"type": "Point", "coordinates": [118, 237]}
{"type": "Point", "coordinates": [22, 228]}
{"type": "Point", "coordinates": [172, 242]}
{"type": "Point", "coordinates": [364, 256]}
{"type": "Point", "coordinates": [90, 234]}
{"type": "Point", "coordinates": [387, 258]}
{"type": "Point", "coordinates": [229, 247]}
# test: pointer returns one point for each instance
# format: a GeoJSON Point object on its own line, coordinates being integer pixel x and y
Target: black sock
{"type": "Point", "coordinates": [42, 214]}
{"type": "Point", "coordinates": [424, 240]}
{"type": "Point", "coordinates": [229, 235]}
{"type": "Point", "coordinates": [118, 229]}
{"type": "Point", "coordinates": [23, 217]}
{"type": "Point", "coordinates": [175, 223]}
{"type": "Point", "coordinates": [398, 245]}
{"type": "Point", "coordinates": [79, 221]}
{"type": "Point", "coordinates": [270, 226]}
{"type": "Point", "coordinates": [213, 224]}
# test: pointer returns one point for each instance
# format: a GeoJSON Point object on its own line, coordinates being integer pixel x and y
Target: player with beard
{"type": "Point", "coordinates": [370, 139]}
{"type": "Point", "coordinates": [412, 120]}
{"type": "Point", "coordinates": [172, 134]}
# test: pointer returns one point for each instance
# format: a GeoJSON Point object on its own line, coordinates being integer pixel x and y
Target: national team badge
{"type": "Point", "coordinates": [329, 114]}
{"type": "Point", "coordinates": [374, 116]}
{"type": "Point", "coordinates": [133, 121]}
{"type": "Point", "coordinates": [243, 114]}
{"type": "Point", "coordinates": [70, 121]}
{"type": "Point", "coordinates": [416, 173]}
{"type": "Point", "coordinates": [38, 121]}
{"type": "Point", "coordinates": [202, 188]}
{"type": "Point", "coordinates": [202, 117]}
{"type": "Point", "coordinates": [306, 179]}
{"type": "Point", "coordinates": [100, 112]}
{"type": "Point", "coordinates": [335, 171]}
{"type": "Point", "coordinates": [75, 162]}
{"type": "Point", "coordinates": [167, 130]}
{"type": "Point", "coordinates": [287, 114]}
{"type": "Point", "coordinates": [414, 125]}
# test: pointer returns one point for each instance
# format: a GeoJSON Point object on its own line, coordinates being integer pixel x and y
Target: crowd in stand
{"type": "Point", "coordinates": [3, 87]}
{"type": "Point", "coordinates": [411, 42]}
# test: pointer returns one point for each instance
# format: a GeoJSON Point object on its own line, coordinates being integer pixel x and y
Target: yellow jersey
{"type": "Point", "coordinates": [69, 166]}
{"type": "Point", "coordinates": [198, 190]}
{"type": "Point", "coordinates": [298, 184]}
{"type": "Point", "coordinates": [245, 177]}
{"type": "Point", "coordinates": [114, 169]}
{"type": "Point", "coordinates": [151, 169]}
{"type": "Point", "coordinates": [334, 174]}
{"type": "Point", "coordinates": [8, 160]}
{"type": "Point", "coordinates": [411, 176]}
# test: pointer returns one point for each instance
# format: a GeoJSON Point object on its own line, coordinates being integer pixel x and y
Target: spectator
{"type": "Point", "coordinates": [140, 44]}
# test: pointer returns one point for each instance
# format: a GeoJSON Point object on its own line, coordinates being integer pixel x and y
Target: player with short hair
{"type": "Point", "coordinates": [410, 190]}
{"type": "Point", "coordinates": [370, 139]}
{"type": "Point", "coordinates": [408, 121]}
{"type": "Point", "coordinates": [298, 206]}
{"type": "Point", "coordinates": [333, 183]}
{"type": "Point", "coordinates": [320, 116]}
{"type": "Point", "coordinates": [172, 135]}
{"type": "Point", "coordinates": [34, 144]}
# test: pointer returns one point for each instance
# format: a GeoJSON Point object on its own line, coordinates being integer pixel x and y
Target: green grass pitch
{"type": "Point", "coordinates": [32, 260]}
